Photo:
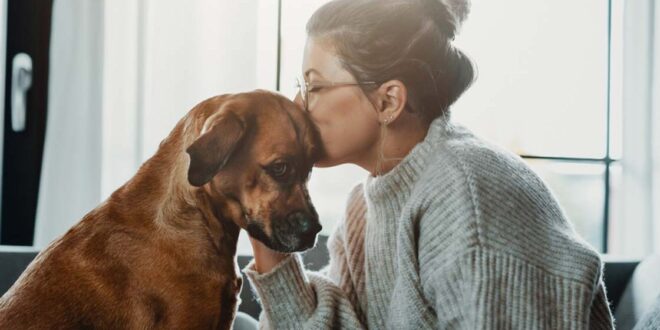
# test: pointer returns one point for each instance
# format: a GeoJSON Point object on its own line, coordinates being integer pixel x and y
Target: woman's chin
{"type": "Point", "coordinates": [328, 162]}
{"type": "Point", "coordinates": [324, 164]}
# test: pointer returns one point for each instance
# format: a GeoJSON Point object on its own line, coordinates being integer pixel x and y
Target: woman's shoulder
{"type": "Point", "coordinates": [486, 197]}
{"type": "Point", "coordinates": [466, 159]}
{"type": "Point", "coordinates": [463, 146]}
{"type": "Point", "coordinates": [488, 177]}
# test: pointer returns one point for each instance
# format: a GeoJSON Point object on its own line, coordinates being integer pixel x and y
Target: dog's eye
{"type": "Point", "coordinates": [279, 169]}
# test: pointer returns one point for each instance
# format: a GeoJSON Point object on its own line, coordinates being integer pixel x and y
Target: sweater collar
{"type": "Point", "coordinates": [398, 182]}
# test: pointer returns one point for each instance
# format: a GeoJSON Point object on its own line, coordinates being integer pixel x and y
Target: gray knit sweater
{"type": "Point", "coordinates": [461, 234]}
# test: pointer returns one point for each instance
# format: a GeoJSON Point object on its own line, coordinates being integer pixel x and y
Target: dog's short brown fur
{"type": "Point", "coordinates": [160, 251]}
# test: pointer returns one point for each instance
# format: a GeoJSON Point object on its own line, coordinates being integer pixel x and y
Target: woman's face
{"type": "Point", "coordinates": [346, 119]}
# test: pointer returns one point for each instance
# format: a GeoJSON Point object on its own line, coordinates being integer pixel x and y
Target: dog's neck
{"type": "Point", "coordinates": [220, 227]}
{"type": "Point", "coordinates": [162, 183]}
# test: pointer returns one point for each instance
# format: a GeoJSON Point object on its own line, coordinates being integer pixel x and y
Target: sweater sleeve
{"type": "Point", "coordinates": [601, 314]}
{"type": "Point", "coordinates": [493, 290]}
{"type": "Point", "coordinates": [293, 298]}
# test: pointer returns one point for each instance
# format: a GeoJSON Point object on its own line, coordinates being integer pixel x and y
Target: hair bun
{"type": "Point", "coordinates": [457, 9]}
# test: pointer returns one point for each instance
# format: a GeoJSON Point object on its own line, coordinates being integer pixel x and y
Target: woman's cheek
{"type": "Point", "coordinates": [331, 141]}
{"type": "Point", "coordinates": [326, 135]}
{"type": "Point", "coordinates": [339, 142]}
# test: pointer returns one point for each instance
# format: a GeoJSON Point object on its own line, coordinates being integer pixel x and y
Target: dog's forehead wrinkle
{"type": "Point", "coordinates": [296, 129]}
{"type": "Point", "coordinates": [305, 143]}
{"type": "Point", "coordinates": [279, 124]}
{"type": "Point", "coordinates": [279, 133]}
{"type": "Point", "coordinates": [269, 147]}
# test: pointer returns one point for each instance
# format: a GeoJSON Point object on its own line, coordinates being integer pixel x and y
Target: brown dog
{"type": "Point", "coordinates": [160, 251]}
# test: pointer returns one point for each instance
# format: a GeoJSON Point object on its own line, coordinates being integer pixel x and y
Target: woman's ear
{"type": "Point", "coordinates": [392, 98]}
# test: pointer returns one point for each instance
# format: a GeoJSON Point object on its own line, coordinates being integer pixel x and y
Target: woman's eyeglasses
{"type": "Point", "coordinates": [304, 87]}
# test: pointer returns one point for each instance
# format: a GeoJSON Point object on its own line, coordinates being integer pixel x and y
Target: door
{"type": "Point", "coordinates": [28, 26]}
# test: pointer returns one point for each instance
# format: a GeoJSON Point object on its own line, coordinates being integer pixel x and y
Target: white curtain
{"type": "Point", "coordinates": [639, 232]}
{"type": "Point", "coordinates": [163, 57]}
{"type": "Point", "coordinates": [655, 127]}
{"type": "Point", "coordinates": [122, 73]}
{"type": "Point", "coordinates": [72, 164]}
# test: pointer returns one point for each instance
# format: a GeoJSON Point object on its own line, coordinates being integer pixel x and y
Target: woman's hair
{"type": "Point", "coordinates": [407, 40]}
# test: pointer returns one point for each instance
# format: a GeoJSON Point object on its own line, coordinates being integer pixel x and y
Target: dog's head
{"type": "Point", "coordinates": [254, 155]}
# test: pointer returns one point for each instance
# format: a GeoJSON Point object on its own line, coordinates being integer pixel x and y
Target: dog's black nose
{"type": "Point", "coordinates": [305, 224]}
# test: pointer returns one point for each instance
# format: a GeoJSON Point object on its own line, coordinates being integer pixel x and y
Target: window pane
{"type": "Point", "coordinates": [580, 189]}
{"type": "Point", "coordinates": [542, 85]}
{"type": "Point", "coordinates": [616, 88]}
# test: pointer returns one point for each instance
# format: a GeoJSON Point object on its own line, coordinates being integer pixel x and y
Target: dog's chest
{"type": "Point", "coordinates": [200, 298]}
{"type": "Point", "coordinates": [182, 284]}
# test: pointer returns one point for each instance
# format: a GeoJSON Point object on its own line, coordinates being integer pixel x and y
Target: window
{"type": "Point", "coordinates": [549, 89]}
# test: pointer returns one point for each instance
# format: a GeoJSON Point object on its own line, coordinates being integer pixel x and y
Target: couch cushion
{"type": "Point", "coordinates": [616, 275]}
{"type": "Point", "coordinates": [641, 293]}
{"type": "Point", "coordinates": [13, 261]}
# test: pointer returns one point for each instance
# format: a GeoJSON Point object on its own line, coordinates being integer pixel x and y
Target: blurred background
{"type": "Point", "coordinates": [91, 88]}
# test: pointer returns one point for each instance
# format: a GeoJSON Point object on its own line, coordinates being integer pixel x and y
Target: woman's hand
{"type": "Point", "coordinates": [265, 259]}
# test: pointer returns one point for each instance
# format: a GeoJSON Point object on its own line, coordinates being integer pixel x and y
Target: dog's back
{"type": "Point", "coordinates": [104, 273]}
{"type": "Point", "coordinates": [67, 276]}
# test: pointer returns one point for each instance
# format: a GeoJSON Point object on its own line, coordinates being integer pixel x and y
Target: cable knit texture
{"type": "Point", "coordinates": [461, 234]}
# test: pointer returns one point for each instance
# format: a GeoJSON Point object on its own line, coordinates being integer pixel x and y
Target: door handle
{"type": "Point", "coordinates": [21, 81]}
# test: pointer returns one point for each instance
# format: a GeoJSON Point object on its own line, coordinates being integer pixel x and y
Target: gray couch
{"type": "Point", "coordinates": [633, 287]}
{"type": "Point", "coordinates": [639, 305]}
{"type": "Point", "coordinates": [13, 260]}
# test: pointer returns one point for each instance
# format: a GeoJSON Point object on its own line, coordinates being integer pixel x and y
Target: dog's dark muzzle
{"type": "Point", "coordinates": [304, 225]}
{"type": "Point", "coordinates": [297, 231]}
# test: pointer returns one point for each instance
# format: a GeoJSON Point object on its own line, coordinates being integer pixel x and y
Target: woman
{"type": "Point", "coordinates": [448, 230]}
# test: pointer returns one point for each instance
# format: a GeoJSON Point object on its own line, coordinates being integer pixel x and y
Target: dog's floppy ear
{"type": "Point", "coordinates": [210, 152]}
